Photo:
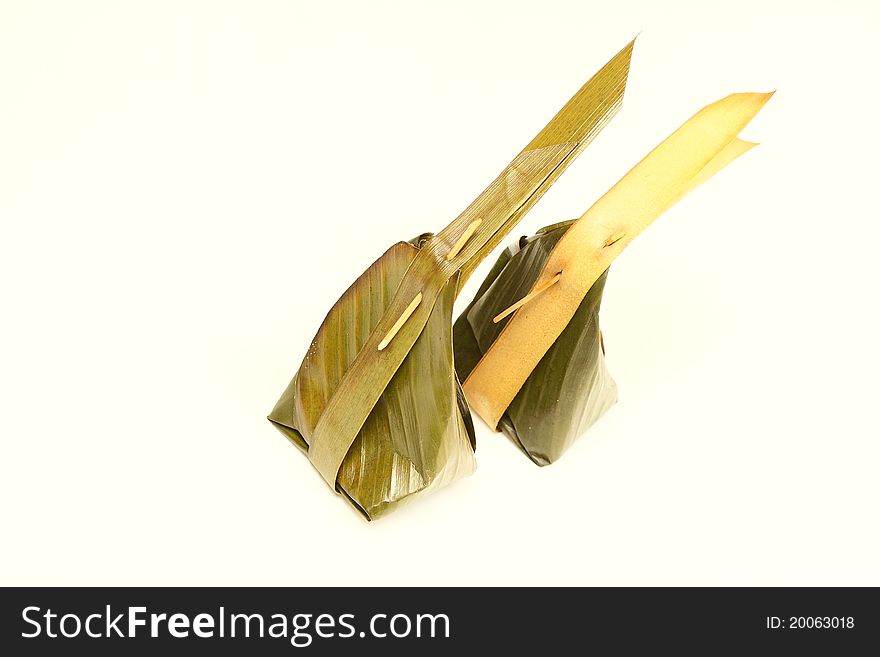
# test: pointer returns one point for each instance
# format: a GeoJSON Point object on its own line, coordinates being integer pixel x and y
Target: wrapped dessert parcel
{"type": "Point", "coordinates": [528, 347]}
{"type": "Point", "coordinates": [376, 405]}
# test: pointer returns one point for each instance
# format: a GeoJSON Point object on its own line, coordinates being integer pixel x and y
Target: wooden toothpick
{"type": "Point", "coordinates": [531, 295]}
{"type": "Point", "coordinates": [410, 309]}
{"type": "Point", "coordinates": [465, 236]}
{"type": "Point", "coordinates": [615, 238]}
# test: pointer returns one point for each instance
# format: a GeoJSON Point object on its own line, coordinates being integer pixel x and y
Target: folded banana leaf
{"type": "Point", "coordinates": [376, 404]}
{"type": "Point", "coordinates": [528, 347]}
{"type": "Point", "coordinates": [570, 388]}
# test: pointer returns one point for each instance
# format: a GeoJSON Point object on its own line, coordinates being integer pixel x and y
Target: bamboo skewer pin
{"type": "Point", "coordinates": [612, 240]}
{"type": "Point", "coordinates": [410, 309]}
{"type": "Point", "coordinates": [531, 295]}
{"type": "Point", "coordinates": [465, 236]}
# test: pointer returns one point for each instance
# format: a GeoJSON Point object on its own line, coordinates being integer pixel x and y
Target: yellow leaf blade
{"type": "Point", "coordinates": [692, 154]}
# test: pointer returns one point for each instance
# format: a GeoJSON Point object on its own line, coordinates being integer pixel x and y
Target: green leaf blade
{"type": "Point", "coordinates": [419, 436]}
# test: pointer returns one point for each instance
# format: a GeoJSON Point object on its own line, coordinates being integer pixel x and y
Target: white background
{"type": "Point", "coordinates": [187, 187]}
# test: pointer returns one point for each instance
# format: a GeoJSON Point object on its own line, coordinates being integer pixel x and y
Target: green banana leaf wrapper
{"type": "Point", "coordinates": [384, 418]}
{"type": "Point", "coordinates": [420, 435]}
{"type": "Point", "coordinates": [571, 386]}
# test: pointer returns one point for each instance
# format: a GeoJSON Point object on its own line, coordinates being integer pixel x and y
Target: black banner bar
{"type": "Point", "coordinates": [113, 621]}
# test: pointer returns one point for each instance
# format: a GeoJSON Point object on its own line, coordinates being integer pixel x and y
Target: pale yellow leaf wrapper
{"type": "Point", "coordinates": [691, 155]}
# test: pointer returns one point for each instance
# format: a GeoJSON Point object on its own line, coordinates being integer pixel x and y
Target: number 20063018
{"type": "Point", "coordinates": [810, 623]}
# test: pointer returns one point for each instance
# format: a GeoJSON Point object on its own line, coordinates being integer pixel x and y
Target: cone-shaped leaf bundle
{"type": "Point", "coordinates": [376, 404]}
{"type": "Point", "coordinates": [539, 374]}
